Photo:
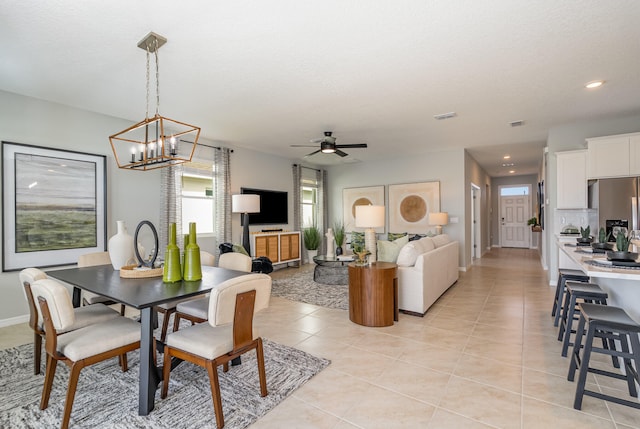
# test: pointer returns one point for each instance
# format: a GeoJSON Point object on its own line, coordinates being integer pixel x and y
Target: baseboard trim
{"type": "Point", "coordinates": [412, 313]}
{"type": "Point", "coordinates": [14, 321]}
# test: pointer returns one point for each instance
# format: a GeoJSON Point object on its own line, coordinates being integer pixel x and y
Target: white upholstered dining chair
{"type": "Point", "coordinates": [84, 316]}
{"type": "Point", "coordinates": [81, 347]}
{"type": "Point", "coordinates": [196, 310]}
{"type": "Point", "coordinates": [228, 334]}
{"type": "Point", "coordinates": [91, 260]}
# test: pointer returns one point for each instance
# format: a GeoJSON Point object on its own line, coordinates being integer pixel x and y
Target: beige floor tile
{"type": "Point", "coordinates": [538, 414]}
{"type": "Point", "coordinates": [322, 347]}
{"type": "Point", "coordinates": [443, 419]}
{"type": "Point", "coordinates": [491, 372]}
{"type": "Point", "coordinates": [294, 413]}
{"type": "Point", "coordinates": [362, 363]}
{"type": "Point", "coordinates": [507, 353]}
{"type": "Point", "coordinates": [418, 382]}
{"type": "Point", "coordinates": [383, 344]}
{"type": "Point", "coordinates": [333, 392]}
{"type": "Point", "coordinates": [557, 390]}
{"type": "Point", "coordinates": [434, 357]}
{"type": "Point", "coordinates": [497, 407]}
{"type": "Point", "coordinates": [442, 338]}
{"type": "Point", "coordinates": [383, 409]}
{"type": "Point", "coordinates": [507, 334]}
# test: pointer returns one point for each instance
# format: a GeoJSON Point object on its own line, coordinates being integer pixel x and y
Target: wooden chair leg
{"type": "Point", "coordinates": [176, 322]}
{"type": "Point", "coordinates": [261, 370]}
{"type": "Point", "coordinates": [49, 374]}
{"type": "Point", "coordinates": [215, 392]}
{"type": "Point", "coordinates": [165, 323]}
{"type": "Point", "coordinates": [37, 353]}
{"type": "Point", "coordinates": [123, 360]}
{"type": "Point", "coordinates": [225, 367]}
{"type": "Point", "coordinates": [71, 393]}
{"type": "Point", "coordinates": [166, 373]}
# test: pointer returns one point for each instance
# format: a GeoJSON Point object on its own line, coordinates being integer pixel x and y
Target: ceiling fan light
{"type": "Point", "coordinates": [326, 147]}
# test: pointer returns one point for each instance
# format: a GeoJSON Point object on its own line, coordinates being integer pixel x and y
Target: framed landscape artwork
{"type": "Point", "coordinates": [410, 205]}
{"type": "Point", "coordinates": [54, 206]}
{"type": "Point", "coordinates": [352, 197]}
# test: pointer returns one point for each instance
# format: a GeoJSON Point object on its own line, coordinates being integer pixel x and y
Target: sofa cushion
{"type": "Point", "coordinates": [388, 250]}
{"type": "Point", "coordinates": [410, 252]}
{"type": "Point", "coordinates": [441, 240]}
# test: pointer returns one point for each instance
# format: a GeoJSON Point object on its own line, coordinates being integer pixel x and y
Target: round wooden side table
{"type": "Point", "coordinates": [373, 294]}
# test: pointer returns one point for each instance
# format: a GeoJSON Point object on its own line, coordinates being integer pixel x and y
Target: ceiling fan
{"type": "Point", "coordinates": [328, 145]}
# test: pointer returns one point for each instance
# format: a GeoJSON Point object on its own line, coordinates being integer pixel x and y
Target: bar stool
{"type": "Point", "coordinates": [611, 323]}
{"type": "Point", "coordinates": [587, 292]}
{"type": "Point", "coordinates": [564, 274]}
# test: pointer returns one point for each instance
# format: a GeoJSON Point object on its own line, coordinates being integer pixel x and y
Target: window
{"type": "Point", "coordinates": [197, 199]}
{"type": "Point", "coordinates": [514, 191]}
{"type": "Point", "coordinates": [309, 205]}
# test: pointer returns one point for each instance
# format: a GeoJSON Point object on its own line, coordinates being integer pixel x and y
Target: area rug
{"type": "Point", "coordinates": [301, 287]}
{"type": "Point", "coordinates": [108, 398]}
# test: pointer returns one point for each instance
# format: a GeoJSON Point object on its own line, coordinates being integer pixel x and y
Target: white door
{"type": "Point", "coordinates": [514, 211]}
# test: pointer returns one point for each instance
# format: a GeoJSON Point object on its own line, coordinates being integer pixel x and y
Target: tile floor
{"type": "Point", "coordinates": [484, 356]}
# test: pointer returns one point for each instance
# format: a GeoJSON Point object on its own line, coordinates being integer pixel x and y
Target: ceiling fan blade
{"type": "Point", "coordinates": [312, 153]}
{"type": "Point", "coordinates": [302, 145]}
{"type": "Point", "coordinates": [341, 153]}
{"type": "Point", "coordinates": [357, 145]}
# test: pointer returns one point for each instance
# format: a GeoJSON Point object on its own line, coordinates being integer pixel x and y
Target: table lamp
{"type": "Point", "coordinates": [438, 219]}
{"type": "Point", "coordinates": [370, 217]}
{"type": "Point", "coordinates": [245, 204]}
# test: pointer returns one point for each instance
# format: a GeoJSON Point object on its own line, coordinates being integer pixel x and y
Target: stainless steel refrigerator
{"type": "Point", "coordinates": [617, 202]}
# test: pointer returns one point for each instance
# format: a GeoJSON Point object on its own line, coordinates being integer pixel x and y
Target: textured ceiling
{"type": "Point", "coordinates": [269, 74]}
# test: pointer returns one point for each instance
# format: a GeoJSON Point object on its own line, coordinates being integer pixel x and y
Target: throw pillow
{"type": "Point", "coordinates": [388, 250]}
{"type": "Point", "coordinates": [240, 249]}
{"type": "Point", "coordinates": [441, 240]}
{"type": "Point", "coordinates": [395, 235]}
{"type": "Point", "coordinates": [408, 255]}
{"type": "Point", "coordinates": [357, 239]}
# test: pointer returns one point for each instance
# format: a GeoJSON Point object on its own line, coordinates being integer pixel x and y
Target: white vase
{"type": "Point", "coordinates": [121, 247]}
{"type": "Point", "coordinates": [312, 254]}
{"type": "Point", "coordinates": [330, 253]}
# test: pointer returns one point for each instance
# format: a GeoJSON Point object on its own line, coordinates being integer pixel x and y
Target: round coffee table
{"type": "Point", "coordinates": [331, 271]}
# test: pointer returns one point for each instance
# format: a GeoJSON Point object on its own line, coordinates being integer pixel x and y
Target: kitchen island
{"type": "Point", "coordinates": [621, 283]}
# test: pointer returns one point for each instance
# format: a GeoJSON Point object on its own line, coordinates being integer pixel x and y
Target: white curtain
{"type": "Point", "coordinates": [222, 196]}
{"type": "Point", "coordinates": [170, 205]}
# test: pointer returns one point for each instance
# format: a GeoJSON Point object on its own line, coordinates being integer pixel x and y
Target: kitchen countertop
{"type": "Point", "coordinates": [581, 255]}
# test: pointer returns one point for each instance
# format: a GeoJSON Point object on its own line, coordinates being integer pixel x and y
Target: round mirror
{"type": "Point", "coordinates": [140, 239]}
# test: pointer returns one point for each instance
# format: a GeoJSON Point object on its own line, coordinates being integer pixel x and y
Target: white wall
{"type": "Point", "coordinates": [132, 196]}
{"type": "Point", "coordinates": [474, 174]}
{"type": "Point", "coordinates": [446, 167]}
{"type": "Point", "coordinates": [572, 137]}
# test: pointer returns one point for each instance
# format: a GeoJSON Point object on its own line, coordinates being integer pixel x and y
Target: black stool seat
{"type": "Point", "coordinates": [564, 274]}
{"type": "Point", "coordinates": [587, 292]}
{"type": "Point", "coordinates": [612, 323]}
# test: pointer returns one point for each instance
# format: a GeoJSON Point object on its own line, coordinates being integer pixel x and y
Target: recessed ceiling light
{"type": "Point", "coordinates": [506, 157]}
{"type": "Point", "coordinates": [594, 84]}
{"type": "Point", "coordinates": [512, 171]}
{"type": "Point", "coordinates": [508, 164]}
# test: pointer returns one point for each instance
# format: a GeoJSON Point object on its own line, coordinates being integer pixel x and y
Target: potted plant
{"type": "Point", "coordinates": [622, 249]}
{"type": "Point", "coordinates": [311, 237]}
{"type": "Point", "coordinates": [585, 235]}
{"type": "Point", "coordinates": [535, 226]}
{"type": "Point", "coordinates": [339, 235]}
{"type": "Point", "coordinates": [603, 241]}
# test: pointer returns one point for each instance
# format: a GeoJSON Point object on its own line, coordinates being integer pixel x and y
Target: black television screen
{"type": "Point", "coordinates": [274, 208]}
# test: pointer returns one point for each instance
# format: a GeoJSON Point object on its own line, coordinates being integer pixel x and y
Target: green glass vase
{"type": "Point", "coordinates": [172, 271]}
{"type": "Point", "coordinates": [192, 268]}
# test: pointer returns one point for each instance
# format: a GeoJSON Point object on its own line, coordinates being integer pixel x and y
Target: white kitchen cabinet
{"type": "Point", "coordinates": [571, 167]}
{"type": "Point", "coordinates": [614, 156]}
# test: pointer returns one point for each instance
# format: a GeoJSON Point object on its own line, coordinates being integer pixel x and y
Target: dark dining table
{"type": "Point", "coordinates": [142, 294]}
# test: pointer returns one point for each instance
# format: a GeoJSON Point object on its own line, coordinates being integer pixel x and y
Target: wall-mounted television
{"type": "Point", "coordinates": [274, 207]}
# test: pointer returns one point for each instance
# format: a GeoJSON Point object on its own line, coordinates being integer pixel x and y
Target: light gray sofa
{"type": "Point", "coordinates": [426, 269]}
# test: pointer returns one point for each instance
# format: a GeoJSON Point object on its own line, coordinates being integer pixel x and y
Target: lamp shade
{"type": "Point", "coordinates": [245, 203]}
{"type": "Point", "coordinates": [369, 216]}
{"type": "Point", "coordinates": [440, 219]}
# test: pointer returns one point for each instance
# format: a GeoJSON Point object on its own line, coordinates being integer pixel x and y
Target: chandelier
{"type": "Point", "coordinates": [156, 141]}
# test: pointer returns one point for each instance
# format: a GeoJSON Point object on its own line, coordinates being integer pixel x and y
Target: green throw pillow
{"type": "Point", "coordinates": [239, 249]}
{"type": "Point", "coordinates": [388, 250]}
{"type": "Point", "coordinates": [357, 239]}
{"type": "Point", "coordinates": [395, 235]}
